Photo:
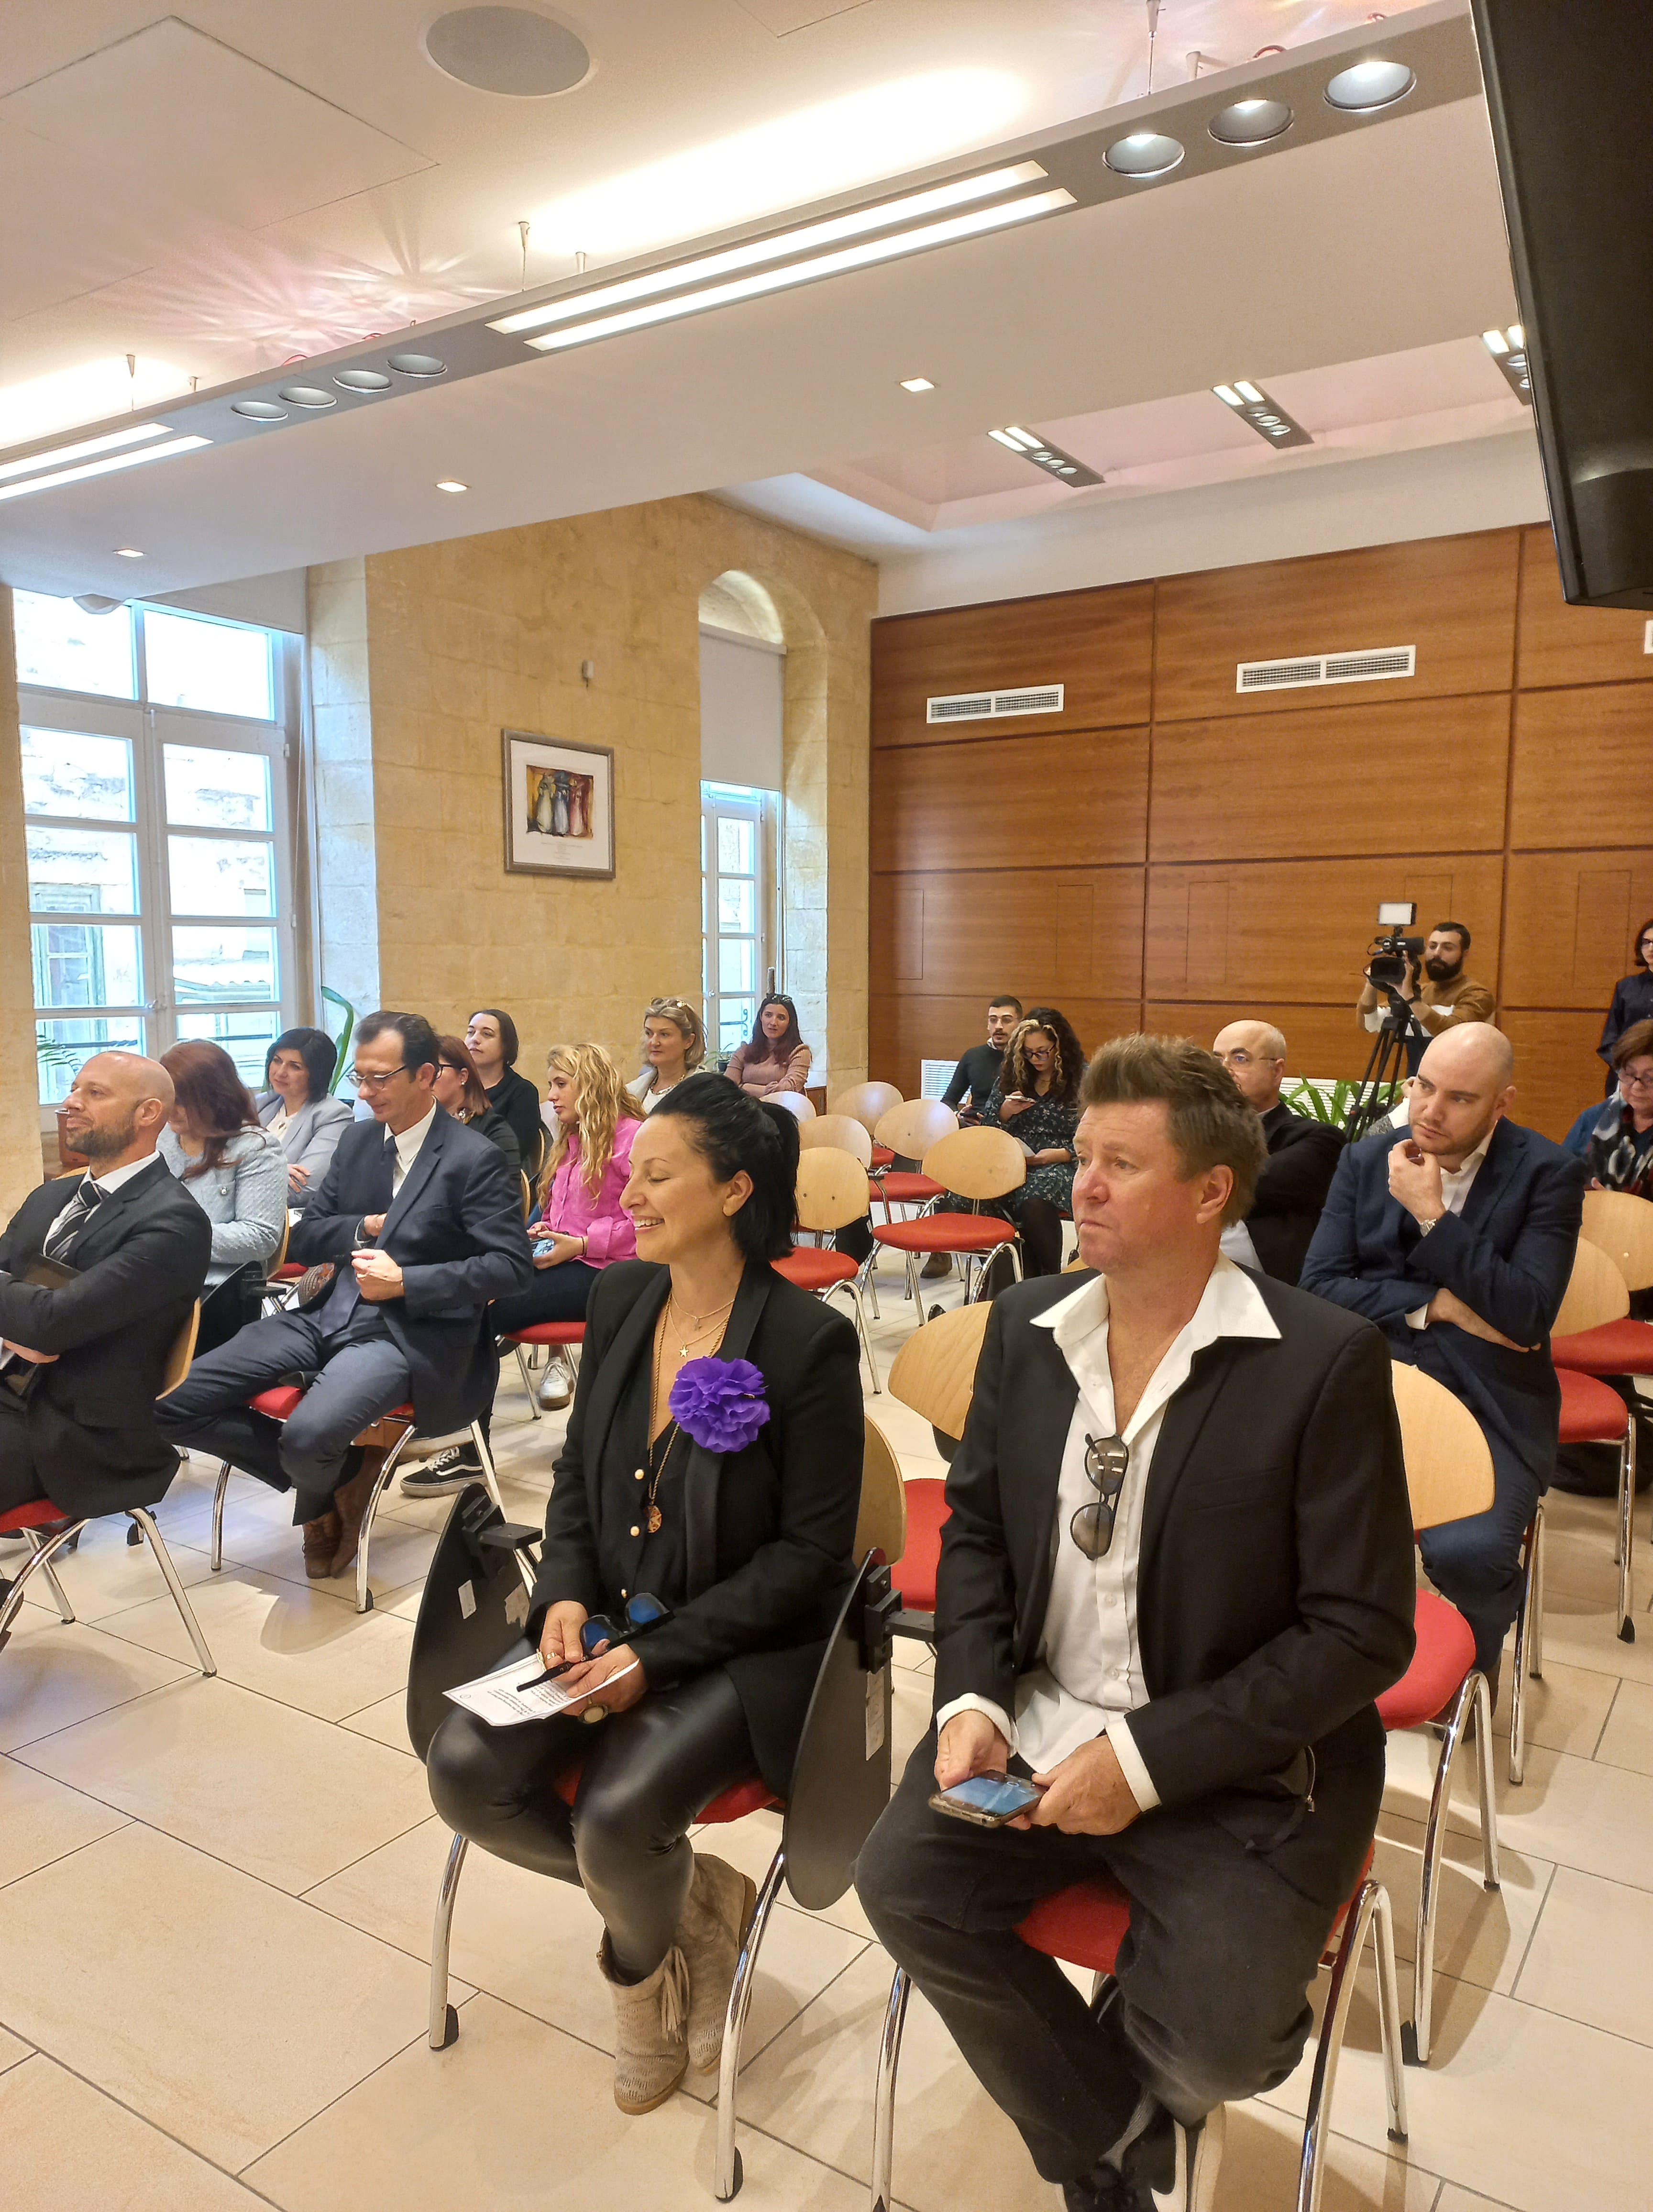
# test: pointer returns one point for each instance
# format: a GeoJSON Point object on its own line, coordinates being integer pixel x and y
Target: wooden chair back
{"type": "Point", "coordinates": [278, 1257]}
{"type": "Point", "coordinates": [831, 1189]}
{"type": "Point", "coordinates": [843, 1132]}
{"type": "Point", "coordinates": [1449, 1467]}
{"type": "Point", "coordinates": [934, 1372]}
{"type": "Point", "coordinates": [527, 1195]}
{"type": "Point", "coordinates": [977, 1163]}
{"type": "Point", "coordinates": [881, 1525]}
{"type": "Point", "coordinates": [910, 1129]}
{"type": "Point", "coordinates": [1623, 1228]}
{"type": "Point", "coordinates": [794, 1103]}
{"type": "Point", "coordinates": [867, 1103]}
{"type": "Point", "coordinates": [183, 1351]}
{"type": "Point", "coordinates": [1596, 1291]}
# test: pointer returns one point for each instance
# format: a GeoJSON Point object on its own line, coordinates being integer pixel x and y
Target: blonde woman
{"type": "Point", "coordinates": [579, 1228]}
{"type": "Point", "coordinates": [674, 1045]}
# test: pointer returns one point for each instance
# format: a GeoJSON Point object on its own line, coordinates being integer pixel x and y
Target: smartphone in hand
{"type": "Point", "coordinates": [988, 1800]}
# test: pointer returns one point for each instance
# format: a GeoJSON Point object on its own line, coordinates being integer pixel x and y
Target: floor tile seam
{"type": "Point", "coordinates": [310, 2118]}
{"type": "Point", "coordinates": [16, 1750]}
{"type": "Point", "coordinates": [121, 1612]}
{"type": "Point", "coordinates": [1606, 1722]}
{"type": "Point", "coordinates": [750, 2058]}
{"type": "Point", "coordinates": [122, 1820]}
{"type": "Point", "coordinates": [1525, 1952]}
{"type": "Point", "coordinates": [1443, 1979]}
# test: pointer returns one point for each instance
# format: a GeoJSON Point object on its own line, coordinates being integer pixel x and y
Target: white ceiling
{"type": "Point", "coordinates": [218, 192]}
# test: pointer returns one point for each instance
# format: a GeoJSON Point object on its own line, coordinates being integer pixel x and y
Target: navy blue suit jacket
{"type": "Point", "coordinates": [455, 1229]}
{"type": "Point", "coordinates": [1508, 1256]}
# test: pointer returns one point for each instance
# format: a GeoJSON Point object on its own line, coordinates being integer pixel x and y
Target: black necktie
{"type": "Point", "coordinates": [384, 1178]}
{"type": "Point", "coordinates": [70, 1222]}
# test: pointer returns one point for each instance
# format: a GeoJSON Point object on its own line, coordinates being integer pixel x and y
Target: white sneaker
{"type": "Point", "coordinates": [555, 1387]}
{"type": "Point", "coordinates": [1173, 2168]}
{"type": "Point", "coordinates": [445, 1475]}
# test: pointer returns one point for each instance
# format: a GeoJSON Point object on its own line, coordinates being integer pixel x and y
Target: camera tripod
{"type": "Point", "coordinates": [1386, 1064]}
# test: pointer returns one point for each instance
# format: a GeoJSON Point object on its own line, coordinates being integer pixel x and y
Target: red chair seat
{"type": "Point", "coordinates": [813, 1270]}
{"type": "Point", "coordinates": [914, 1573]}
{"type": "Point", "coordinates": [882, 1157]}
{"type": "Point", "coordinates": [292, 1273]}
{"type": "Point", "coordinates": [1445, 1656]}
{"type": "Point", "coordinates": [907, 1189]}
{"type": "Point", "coordinates": [947, 1232]}
{"type": "Point", "coordinates": [752, 1795]}
{"type": "Point", "coordinates": [1618, 1347]}
{"type": "Point", "coordinates": [550, 1332]}
{"type": "Point", "coordinates": [1083, 1924]}
{"type": "Point", "coordinates": [39, 1513]}
{"type": "Point", "coordinates": [278, 1402]}
{"type": "Point", "coordinates": [1590, 1413]}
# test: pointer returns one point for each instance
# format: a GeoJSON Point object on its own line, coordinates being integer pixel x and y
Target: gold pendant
{"type": "Point", "coordinates": [653, 1520]}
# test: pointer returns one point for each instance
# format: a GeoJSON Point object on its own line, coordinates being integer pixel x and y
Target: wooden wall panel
{"type": "Point", "coordinates": [1098, 644]}
{"type": "Point", "coordinates": [1296, 932]}
{"type": "Point", "coordinates": [1583, 766]}
{"type": "Point", "coordinates": [1557, 1072]}
{"type": "Point", "coordinates": [1572, 924]}
{"type": "Point", "coordinates": [1452, 598]}
{"type": "Point", "coordinates": [1327, 779]}
{"type": "Point", "coordinates": [1561, 644]}
{"type": "Point", "coordinates": [909, 1029]}
{"type": "Point", "coordinates": [1320, 1040]}
{"type": "Point", "coordinates": [1054, 801]}
{"type": "Point", "coordinates": [1052, 936]}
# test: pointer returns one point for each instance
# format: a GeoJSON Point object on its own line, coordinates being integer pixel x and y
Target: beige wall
{"type": "Point", "coordinates": [419, 658]}
{"type": "Point", "coordinates": [20, 1113]}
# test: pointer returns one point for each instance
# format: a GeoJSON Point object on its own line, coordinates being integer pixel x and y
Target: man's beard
{"type": "Point", "coordinates": [103, 1143]}
{"type": "Point", "coordinates": [1442, 971]}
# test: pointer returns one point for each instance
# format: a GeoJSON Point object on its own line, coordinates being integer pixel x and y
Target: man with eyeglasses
{"type": "Point", "coordinates": [1175, 1574]}
{"type": "Point", "coordinates": [418, 1222]}
{"type": "Point", "coordinates": [1303, 1155]}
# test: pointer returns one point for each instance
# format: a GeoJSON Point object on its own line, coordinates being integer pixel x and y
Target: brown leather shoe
{"type": "Point", "coordinates": [321, 1542]}
{"type": "Point", "coordinates": [350, 1502]}
{"type": "Point", "coordinates": [937, 1264]}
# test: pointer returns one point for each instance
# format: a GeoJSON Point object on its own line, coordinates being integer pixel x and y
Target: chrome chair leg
{"type": "Point", "coordinates": [1627, 1531]}
{"type": "Point", "coordinates": [222, 1485]}
{"type": "Point", "coordinates": [1485, 1753]}
{"type": "Point", "coordinates": [883, 2096]}
{"type": "Point", "coordinates": [1415, 2035]}
{"type": "Point", "coordinates": [1527, 1656]}
{"type": "Point", "coordinates": [38, 1562]}
{"type": "Point", "coordinates": [443, 2027]}
{"type": "Point", "coordinates": [725, 2174]}
{"type": "Point", "coordinates": [163, 1559]}
{"type": "Point", "coordinates": [489, 1478]}
{"type": "Point", "coordinates": [912, 1291]}
{"type": "Point", "coordinates": [65, 1611]}
{"type": "Point", "coordinates": [855, 1290]}
{"type": "Point", "coordinates": [527, 1383]}
{"type": "Point", "coordinates": [1333, 2023]}
{"type": "Point", "coordinates": [1389, 2014]}
{"type": "Point", "coordinates": [1535, 1662]}
{"type": "Point", "coordinates": [387, 1468]}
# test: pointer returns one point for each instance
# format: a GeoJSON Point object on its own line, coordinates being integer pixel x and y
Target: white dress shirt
{"type": "Point", "coordinates": [408, 1142]}
{"type": "Point", "coordinates": [1088, 1673]}
{"type": "Point", "coordinates": [1455, 1184]}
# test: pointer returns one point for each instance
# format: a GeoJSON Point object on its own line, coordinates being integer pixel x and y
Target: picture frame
{"type": "Point", "coordinates": [559, 806]}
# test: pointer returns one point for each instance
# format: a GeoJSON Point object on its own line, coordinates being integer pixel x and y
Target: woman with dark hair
{"type": "Point", "coordinates": [1632, 1000]}
{"type": "Point", "coordinates": [491, 1038]}
{"type": "Point", "coordinates": [458, 1090]}
{"type": "Point", "coordinates": [1036, 1099]}
{"type": "Point", "coordinates": [297, 1110]}
{"type": "Point", "coordinates": [1619, 1152]}
{"type": "Point", "coordinates": [776, 1059]}
{"type": "Point", "coordinates": [712, 1461]}
{"type": "Point", "coordinates": [234, 1170]}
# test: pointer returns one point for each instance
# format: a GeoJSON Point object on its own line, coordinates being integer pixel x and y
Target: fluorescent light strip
{"type": "Point", "coordinates": [102, 468]}
{"type": "Point", "coordinates": [854, 225]}
{"type": "Point", "coordinates": [81, 448]}
{"type": "Point", "coordinates": [804, 272]}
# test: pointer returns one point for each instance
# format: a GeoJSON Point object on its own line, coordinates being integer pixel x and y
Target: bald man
{"type": "Point", "coordinates": [97, 1274]}
{"type": "Point", "coordinates": [1456, 1235]}
{"type": "Point", "coordinates": [1303, 1157]}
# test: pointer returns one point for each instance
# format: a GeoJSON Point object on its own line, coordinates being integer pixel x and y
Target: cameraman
{"type": "Point", "coordinates": [1446, 996]}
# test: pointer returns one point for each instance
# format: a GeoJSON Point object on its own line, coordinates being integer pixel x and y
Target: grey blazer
{"type": "Point", "coordinates": [309, 1140]}
{"type": "Point", "coordinates": [245, 1199]}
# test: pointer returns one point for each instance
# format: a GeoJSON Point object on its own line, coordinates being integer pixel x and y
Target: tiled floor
{"type": "Point", "coordinates": [217, 1899]}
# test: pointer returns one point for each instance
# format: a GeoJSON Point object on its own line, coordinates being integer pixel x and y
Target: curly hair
{"type": "Point", "coordinates": [603, 1102]}
{"type": "Point", "coordinates": [1068, 1063]}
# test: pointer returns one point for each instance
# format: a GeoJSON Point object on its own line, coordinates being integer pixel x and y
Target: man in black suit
{"type": "Point", "coordinates": [1303, 1157]}
{"type": "Point", "coordinates": [1456, 1235]}
{"type": "Point", "coordinates": [1176, 1572]}
{"type": "Point", "coordinates": [82, 1433]}
{"type": "Point", "coordinates": [422, 1222]}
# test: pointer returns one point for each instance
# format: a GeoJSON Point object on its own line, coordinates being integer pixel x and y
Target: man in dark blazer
{"type": "Point", "coordinates": [82, 1432]}
{"type": "Point", "coordinates": [1176, 1572]}
{"type": "Point", "coordinates": [422, 1222]}
{"type": "Point", "coordinates": [1456, 1236]}
{"type": "Point", "coordinates": [1303, 1157]}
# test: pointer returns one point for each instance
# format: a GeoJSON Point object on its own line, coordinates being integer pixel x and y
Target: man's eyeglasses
{"type": "Point", "coordinates": [1092, 1526]}
{"type": "Point", "coordinates": [363, 1081]}
{"type": "Point", "coordinates": [1245, 1059]}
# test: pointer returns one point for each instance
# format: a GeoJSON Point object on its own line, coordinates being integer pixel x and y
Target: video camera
{"type": "Point", "coordinates": [1390, 953]}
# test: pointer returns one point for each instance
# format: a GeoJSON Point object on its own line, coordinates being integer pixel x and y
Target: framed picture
{"type": "Point", "coordinates": [559, 807]}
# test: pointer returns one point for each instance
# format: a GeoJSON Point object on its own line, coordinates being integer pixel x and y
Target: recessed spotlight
{"type": "Point", "coordinates": [362, 380]}
{"type": "Point", "coordinates": [1369, 85]}
{"type": "Point", "coordinates": [1263, 415]}
{"type": "Point", "coordinates": [917, 384]}
{"type": "Point", "coordinates": [416, 364]}
{"type": "Point", "coordinates": [1509, 349]}
{"type": "Point", "coordinates": [1145, 154]}
{"type": "Point", "coordinates": [258, 410]}
{"type": "Point", "coordinates": [1250, 122]}
{"type": "Point", "coordinates": [305, 395]}
{"type": "Point", "coordinates": [1051, 458]}
{"type": "Point", "coordinates": [451, 484]}
{"type": "Point", "coordinates": [128, 553]}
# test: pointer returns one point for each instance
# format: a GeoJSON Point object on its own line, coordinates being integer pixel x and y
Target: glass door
{"type": "Point", "coordinates": [735, 911]}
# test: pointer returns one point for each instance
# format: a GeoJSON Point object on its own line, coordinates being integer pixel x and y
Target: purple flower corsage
{"type": "Point", "coordinates": [720, 1403]}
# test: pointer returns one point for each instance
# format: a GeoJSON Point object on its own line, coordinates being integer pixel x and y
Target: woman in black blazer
{"type": "Point", "coordinates": [1632, 1001]}
{"type": "Point", "coordinates": [712, 1460]}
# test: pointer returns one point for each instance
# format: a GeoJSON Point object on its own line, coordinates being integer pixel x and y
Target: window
{"type": "Point", "coordinates": [156, 797]}
{"type": "Point", "coordinates": [737, 878]}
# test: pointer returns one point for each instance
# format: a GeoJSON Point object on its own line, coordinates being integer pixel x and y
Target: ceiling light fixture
{"type": "Point", "coordinates": [362, 379]}
{"type": "Point", "coordinates": [1250, 122]}
{"type": "Point", "coordinates": [1368, 87]}
{"type": "Point", "coordinates": [128, 553]}
{"type": "Point", "coordinates": [416, 364]}
{"type": "Point", "coordinates": [917, 384]}
{"type": "Point", "coordinates": [1144, 155]}
{"type": "Point", "coordinates": [305, 395]}
{"type": "Point", "coordinates": [100, 468]}
{"type": "Point", "coordinates": [1029, 447]}
{"type": "Point", "coordinates": [803, 239]}
{"type": "Point", "coordinates": [870, 252]}
{"type": "Point", "coordinates": [258, 410]}
{"type": "Point", "coordinates": [451, 484]}
{"type": "Point", "coordinates": [1509, 349]}
{"type": "Point", "coordinates": [1270, 422]}
{"type": "Point", "coordinates": [82, 449]}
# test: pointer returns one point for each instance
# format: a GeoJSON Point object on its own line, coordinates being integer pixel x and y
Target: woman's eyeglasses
{"type": "Point", "coordinates": [1092, 1526]}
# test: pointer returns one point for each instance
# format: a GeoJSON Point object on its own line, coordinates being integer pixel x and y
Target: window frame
{"type": "Point", "coordinates": [743, 802]}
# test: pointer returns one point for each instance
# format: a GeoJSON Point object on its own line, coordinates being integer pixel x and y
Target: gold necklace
{"type": "Point", "coordinates": [698, 1336]}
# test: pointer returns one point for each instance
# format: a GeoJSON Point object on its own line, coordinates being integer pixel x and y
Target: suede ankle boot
{"type": "Point", "coordinates": [715, 1918]}
{"type": "Point", "coordinates": [651, 2048]}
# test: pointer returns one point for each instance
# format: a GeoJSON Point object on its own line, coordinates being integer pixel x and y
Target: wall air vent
{"type": "Point", "coordinates": [1368, 667]}
{"type": "Point", "coordinates": [989, 706]}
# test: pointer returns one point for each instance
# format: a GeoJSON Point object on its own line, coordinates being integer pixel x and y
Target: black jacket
{"type": "Point", "coordinates": [515, 1098]}
{"type": "Point", "coordinates": [1632, 1001]}
{"type": "Point", "coordinates": [770, 1530]}
{"type": "Point", "coordinates": [1508, 1256]}
{"type": "Point", "coordinates": [1302, 1158]}
{"type": "Point", "coordinates": [141, 1260]}
{"type": "Point", "coordinates": [1274, 1595]}
{"type": "Point", "coordinates": [455, 1229]}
